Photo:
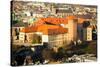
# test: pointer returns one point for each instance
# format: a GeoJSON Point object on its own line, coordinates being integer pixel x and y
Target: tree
{"type": "Point", "coordinates": [86, 24]}
{"type": "Point", "coordinates": [60, 54]}
{"type": "Point", "coordinates": [94, 34]}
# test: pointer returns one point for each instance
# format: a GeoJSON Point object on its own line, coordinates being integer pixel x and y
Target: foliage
{"type": "Point", "coordinates": [86, 24]}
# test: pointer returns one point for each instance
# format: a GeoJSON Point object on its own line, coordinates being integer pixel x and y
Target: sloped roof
{"type": "Point", "coordinates": [29, 29]}
{"type": "Point", "coordinates": [87, 16]}
{"type": "Point", "coordinates": [45, 29]}
{"type": "Point", "coordinates": [52, 21]}
{"type": "Point", "coordinates": [56, 31]}
{"type": "Point", "coordinates": [64, 11]}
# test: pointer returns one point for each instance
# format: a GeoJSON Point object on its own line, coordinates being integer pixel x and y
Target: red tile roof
{"type": "Point", "coordinates": [50, 25]}
{"type": "Point", "coordinates": [56, 31]}
{"type": "Point", "coordinates": [29, 29]}
{"type": "Point", "coordinates": [58, 21]}
{"type": "Point", "coordinates": [45, 29]}
{"type": "Point", "coordinates": [51, 20]}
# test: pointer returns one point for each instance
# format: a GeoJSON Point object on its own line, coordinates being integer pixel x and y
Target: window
{"type": "Point", "coordinates": [25, 37]}
{"type": "Point", "coordinates": [36, 39]}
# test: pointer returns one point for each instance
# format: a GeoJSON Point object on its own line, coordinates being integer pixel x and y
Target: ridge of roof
{"type": "Point", "coordinates": [46, 29]}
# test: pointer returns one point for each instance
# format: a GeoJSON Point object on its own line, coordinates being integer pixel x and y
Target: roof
{"type": "Point", "coordinates": [52, 21]}
{"type": "Point", "coordinates": [45, 29]}
{"type": "Point", "coordinates": [64, 11]}
{"type": "Point", "coordinates": [87, 16]}
{"type": "Point", "coordinates": [56, 31]}
{"type": "Point", "coordinates": [29, 29]}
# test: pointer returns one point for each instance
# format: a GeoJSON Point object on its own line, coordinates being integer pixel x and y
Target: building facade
{"type": "Point", "coordinates": [87, 33]}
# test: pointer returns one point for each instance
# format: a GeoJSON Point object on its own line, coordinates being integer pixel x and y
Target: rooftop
{"type": "Point", "coordinates": [87, 16]}
{"type": "Point", "coordinates": [54, 20]}
{"type": "Point", "coordinates": [45, 29]}
{"type": "Point", "coordinates": [64, 11]}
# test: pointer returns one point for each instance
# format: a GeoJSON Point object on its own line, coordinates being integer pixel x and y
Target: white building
{"type": "Point", "coordinates": [87, 33]}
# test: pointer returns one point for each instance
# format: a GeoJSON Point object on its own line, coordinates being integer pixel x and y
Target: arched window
{"type": "Point", "coordinates": [17, 33]}
{"type": "Point", "coordinates": [25, 37]}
